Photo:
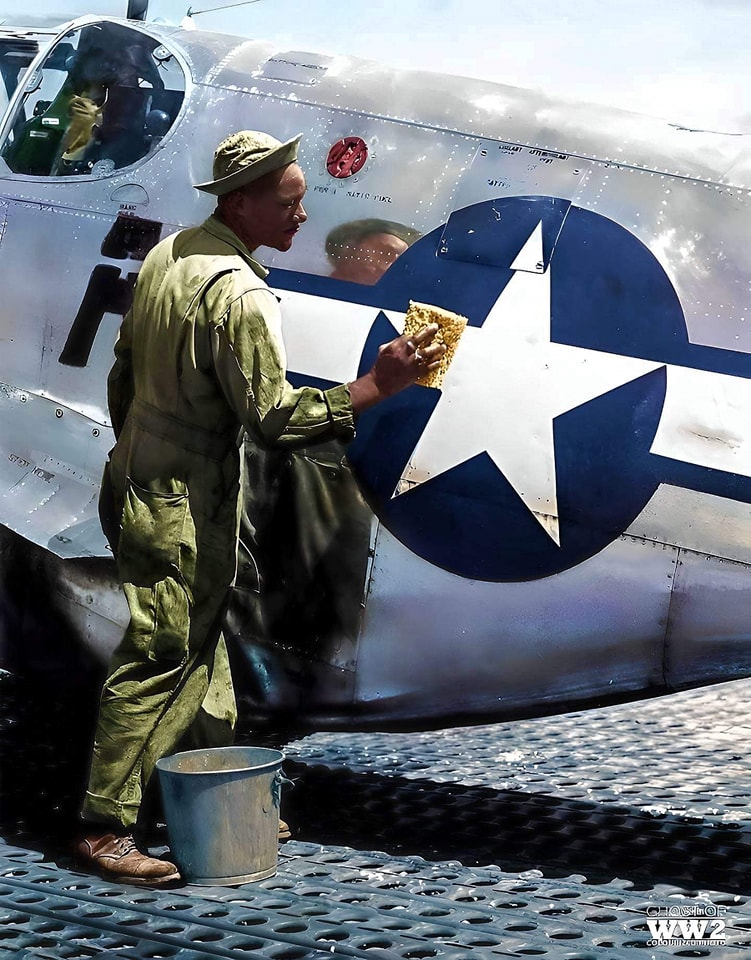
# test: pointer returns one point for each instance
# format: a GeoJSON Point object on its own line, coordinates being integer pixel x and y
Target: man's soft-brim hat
{"type": "Point", "coordinates": [247, 156]}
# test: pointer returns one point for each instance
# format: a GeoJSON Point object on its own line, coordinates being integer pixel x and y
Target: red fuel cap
{"type": "Point", "coordinates": [346, 157]}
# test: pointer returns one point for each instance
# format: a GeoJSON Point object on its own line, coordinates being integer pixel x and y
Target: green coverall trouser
{"type": "Point", "coordinates": [169, 684]}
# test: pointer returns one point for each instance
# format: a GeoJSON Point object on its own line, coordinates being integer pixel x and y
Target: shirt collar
{"type": "Point", "coordinates": [221, 231]}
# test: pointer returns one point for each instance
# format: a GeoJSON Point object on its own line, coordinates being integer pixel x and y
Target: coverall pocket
{"type": "Point", "coordinates": [156, 564]}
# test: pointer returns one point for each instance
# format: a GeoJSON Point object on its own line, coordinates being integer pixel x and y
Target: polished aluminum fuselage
{"type": "Point", "coordinates": [664, 603]}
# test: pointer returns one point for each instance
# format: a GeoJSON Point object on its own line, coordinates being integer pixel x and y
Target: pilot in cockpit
{"type": "Point", "coordinates": [108, 109]}
{"type": "Point", "coordinates": [89, 78]}
{"type": "Point", "coordinates": [102, 116]}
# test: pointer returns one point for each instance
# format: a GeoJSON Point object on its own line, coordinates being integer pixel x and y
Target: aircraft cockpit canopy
{"type": "Point", "coordinates": [102, 99]}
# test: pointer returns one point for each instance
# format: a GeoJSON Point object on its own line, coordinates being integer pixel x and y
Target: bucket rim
{"type": "Point", "coordinates": [163, 764]}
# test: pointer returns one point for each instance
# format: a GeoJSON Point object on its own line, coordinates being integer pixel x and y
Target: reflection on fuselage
{"type": "Point", "coordinates": [361, 251]}
{"type": "Point", "coordinates": [368, 260]}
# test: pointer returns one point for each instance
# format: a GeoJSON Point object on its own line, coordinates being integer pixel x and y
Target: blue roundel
{"type": "Point", "coordinates": [607, 293]}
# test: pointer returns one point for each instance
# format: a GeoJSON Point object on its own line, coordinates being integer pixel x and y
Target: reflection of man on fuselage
{"type": "Point", "coordinates": [361, 251]}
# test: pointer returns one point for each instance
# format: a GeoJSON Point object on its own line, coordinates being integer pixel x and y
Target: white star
{"type": "Point", "coordinates": [502, 392]}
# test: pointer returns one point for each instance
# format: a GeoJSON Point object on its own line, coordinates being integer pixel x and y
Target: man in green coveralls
{"type": "Point", "coordinates": [199, 360]}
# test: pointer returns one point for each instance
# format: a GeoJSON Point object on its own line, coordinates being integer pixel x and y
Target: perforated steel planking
{"type": "Point", "coordinates": [500, 796]}
{"type": "Point", "coordinates": [680, 754]}
{"type": "Point", "coordinates": [337, 901]}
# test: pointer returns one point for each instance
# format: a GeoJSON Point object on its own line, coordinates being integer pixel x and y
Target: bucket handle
{"type": "Point", "coordinates": [277, 783]}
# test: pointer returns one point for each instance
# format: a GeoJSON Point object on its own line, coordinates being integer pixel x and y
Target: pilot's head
{"type": "Point", "coordinates": [259, 188]}
{"type": "Point", "coordinates": [362, 250]}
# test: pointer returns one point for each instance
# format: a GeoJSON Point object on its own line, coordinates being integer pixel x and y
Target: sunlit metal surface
{"type": "Point", "coordinates": [662, 604]}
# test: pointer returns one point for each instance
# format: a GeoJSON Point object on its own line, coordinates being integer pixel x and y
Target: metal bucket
{"type": "Point", "coordinates": [222, 812]}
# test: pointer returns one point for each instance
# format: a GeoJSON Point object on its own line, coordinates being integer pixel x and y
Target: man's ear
{"type": "Point", "coordinates": [230, 204]}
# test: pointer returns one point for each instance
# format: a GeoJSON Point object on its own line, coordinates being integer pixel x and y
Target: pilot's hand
{"type": "Point", "coordinates": [83, 114]}
{"type": "Point", "coordinates": [397, 366]}
{"type": "Point", "coordinates": [82, 108]}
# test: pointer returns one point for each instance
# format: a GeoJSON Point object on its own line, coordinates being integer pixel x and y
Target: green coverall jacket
{"type": "Point", "coordinates": [199, 360]}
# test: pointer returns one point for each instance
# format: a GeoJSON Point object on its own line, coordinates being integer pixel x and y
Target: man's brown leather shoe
{"type": "Point", "coordinates": [119, 859]}
{"type": "Point", "coordinates": [284, 831]}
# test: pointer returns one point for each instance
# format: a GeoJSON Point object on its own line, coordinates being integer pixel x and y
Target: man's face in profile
{"type": "Point", "coordinates": [270, 212]}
